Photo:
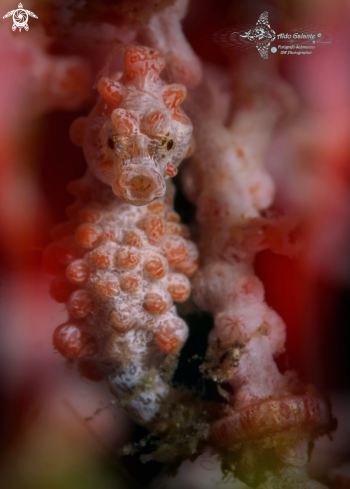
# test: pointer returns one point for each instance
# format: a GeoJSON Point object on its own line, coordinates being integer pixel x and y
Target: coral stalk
{"type": "Point", "coordinates": [230, 188]}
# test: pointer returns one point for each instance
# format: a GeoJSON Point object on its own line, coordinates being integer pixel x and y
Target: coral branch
{"type": "Point", "coordinates": [32, 82]}
{"type": "Point", "coordinates": [164, 32]}
{"type": "Point", "coordinates": [231, 190]}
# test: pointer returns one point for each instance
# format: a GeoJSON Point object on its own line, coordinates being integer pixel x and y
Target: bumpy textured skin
{"type": "Point", "coordinates": [137, 135]}
{"type": "Point", "coordinates": [119, 267]}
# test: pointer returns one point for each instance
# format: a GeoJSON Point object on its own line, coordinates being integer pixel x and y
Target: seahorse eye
{"type": "Point", "coordinates": [111, 143]}
{"type": "Point", "coordinates": [170, 144]}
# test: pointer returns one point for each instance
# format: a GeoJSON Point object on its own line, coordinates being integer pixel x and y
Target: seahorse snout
{"type": "Point", "coordinates": [139, 184]}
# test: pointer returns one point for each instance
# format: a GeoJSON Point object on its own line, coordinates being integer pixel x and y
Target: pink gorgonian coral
{"type": "Point", "coordinates": [123, 258]}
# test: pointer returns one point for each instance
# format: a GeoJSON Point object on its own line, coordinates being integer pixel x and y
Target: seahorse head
{"type": "Point", "coordinates": [136, 135]}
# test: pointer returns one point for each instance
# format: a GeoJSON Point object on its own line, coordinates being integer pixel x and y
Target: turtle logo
{"type": "Point", "coordinates": [20, 18]}
{"type": "Point", "coordinates": [262, 35]}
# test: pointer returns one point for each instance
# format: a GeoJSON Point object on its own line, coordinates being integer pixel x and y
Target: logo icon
{"type": "Point", "coordinates": [20, 18]}
{"type": "Point", "coordinates": [262, 35]}
{"type": "Point", "coordinates": [301, 40]}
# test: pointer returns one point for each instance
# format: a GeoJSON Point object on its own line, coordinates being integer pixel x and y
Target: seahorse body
{"type": "Point", "coordinates": [119, 267]}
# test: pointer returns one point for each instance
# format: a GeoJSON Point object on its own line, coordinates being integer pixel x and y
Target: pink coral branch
{"type": "Point", "coordinates": [231, 191]}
